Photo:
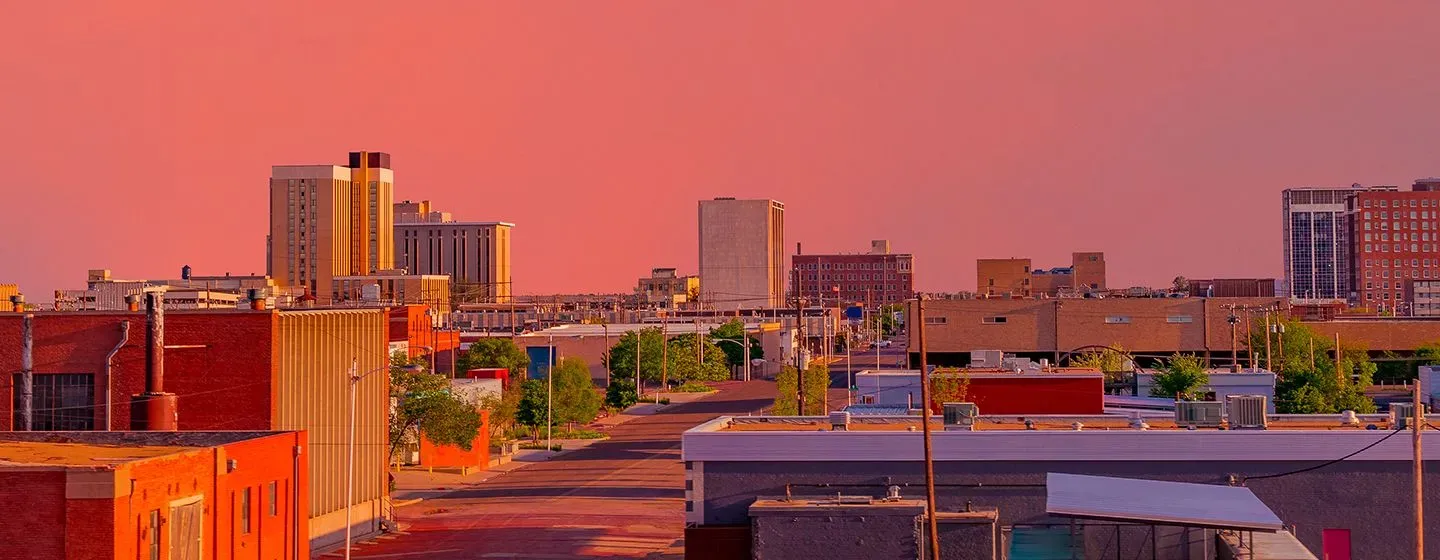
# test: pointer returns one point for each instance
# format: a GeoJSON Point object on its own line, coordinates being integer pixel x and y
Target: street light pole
{"type": "Point", "coordinates": [550, 394]}
{"type": "Point", "coordinates": [354, 378]}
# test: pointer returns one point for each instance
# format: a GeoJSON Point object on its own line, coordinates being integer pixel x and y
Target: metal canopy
{"type": "Point", "coordinates": [1157, 502]}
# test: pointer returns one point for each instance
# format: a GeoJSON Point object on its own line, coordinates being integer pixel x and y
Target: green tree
{"type": "Point", "coordinates": [888, 325]}
{"type": "Point", "coordinates": [533, 408]}
{"type": "Point", "coordinates": [425, 404]}
{"type": "Point", "coordinates": [576, 400]}
{"type": "Point", "coordinates": [1428, 354]}
{"type": "Point", "coordinates": [1114, 362]}
{"type": "Point", "coordinates": [502, 408]}
{"type": "Point", "coordinates": [816, 383]}
{"type": "Point", "coordinates": [620, 393]}
{"type": "Point", "coordinates": [1305, 400]}
{"type": "Point", "coordinates": [495, 352]}
{"type": "Point", "coordinates": [684, 365]}
{"type": "Point", "coordinates": [948, 385]}
{"type": "Point", "coordinates": [621, 358]}
{"type": "Point", "coordinates": [1183, 378]}
{"type": "Point", "coordinates": [734, 352]}
{"type": "Point", "coordinates": [1312, 382]}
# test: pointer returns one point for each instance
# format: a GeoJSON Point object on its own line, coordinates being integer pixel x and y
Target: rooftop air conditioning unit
{"type": "Point", "coordinates": [1400, 415]}
{"type": "Point", "coordinates": [1246, 412]}
{"type": "Point", "coordinates": [960, 416]}
{"type": "Point", "coordinates": [1201, 414]}
{"type": "Point", "coordinates": [839, 421]}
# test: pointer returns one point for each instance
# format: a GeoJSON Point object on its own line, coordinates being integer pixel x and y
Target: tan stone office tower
{"type": "Point", "coordinates": [742, 253]}
{"type": "Point", "coordinates": [331, 220]}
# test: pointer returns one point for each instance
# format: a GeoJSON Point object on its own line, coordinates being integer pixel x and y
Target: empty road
{"type": "Point", "coordinates": [622, 497]}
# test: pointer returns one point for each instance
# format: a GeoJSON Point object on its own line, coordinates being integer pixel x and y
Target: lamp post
{"type": "Point", "coordinates": [355, 379]}
{"type": "Point", "coordinates": [550, 394]}
{"type": "Point", "coordinates": [745, 349]}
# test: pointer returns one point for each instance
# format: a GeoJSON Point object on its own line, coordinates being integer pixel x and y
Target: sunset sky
{"type": "Point", "coordinates": [140, 138]}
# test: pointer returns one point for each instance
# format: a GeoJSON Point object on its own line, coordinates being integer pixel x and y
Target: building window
{"type": "Point", "coordinates": [936, 320]}
{"type": "Point", "coordinates": [154, 534]}
{"type": "Point", "coordinates": [1367, 214]}
{"type": "Point", "coordinates": [1367, 205]}
{"type": "Point", "coordinates": [59, 402]}
{"type": "Point", "coordinates": [275, 498]}
{"type": "Point", "coordinates": [1179, 319]}
{"type": "Point", "coordinates": [995, 320]}
{"type": "Point", "coordinates": [1117, 320]}
{"type": "Point", "coordinates": [245, 511]}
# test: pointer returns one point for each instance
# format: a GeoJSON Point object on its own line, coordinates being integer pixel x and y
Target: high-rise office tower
{"type": "Point", "coordinates": [331, 220]}
{"type": "Point", "coordinates": [742, 253]}
{"type": "Point", "coordinates": [1316, 241]}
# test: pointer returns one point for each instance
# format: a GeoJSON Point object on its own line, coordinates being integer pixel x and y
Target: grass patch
{"type": "Point", "coordinates": [693, 387]}
{"type": "Point", "coordinates": [581, 434]}
{"type": "Point", "coordinates": [537, 445]}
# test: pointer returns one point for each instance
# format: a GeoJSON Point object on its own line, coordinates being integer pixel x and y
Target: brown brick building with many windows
{"type": "Point", "coordinates": [1396, 239]}
{"type": "Point", "coordinates": [871, 279]}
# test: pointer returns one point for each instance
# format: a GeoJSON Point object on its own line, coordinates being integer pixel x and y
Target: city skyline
{"type": "Point", "coordinates": [883, 122]}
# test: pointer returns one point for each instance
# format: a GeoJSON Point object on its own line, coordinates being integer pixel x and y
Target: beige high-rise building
{"type": "Point", "coordinates": [331, 220]}
{"type": "Point", "coordinates": [742, 253]}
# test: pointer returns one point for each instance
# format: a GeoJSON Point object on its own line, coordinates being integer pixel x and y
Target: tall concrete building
{"type": "Point", "coordinates": [330, 220]}
{"type": "Point", "coordinates": [742, 253]}
{"type": "Point", "coordinates": [476, 255]}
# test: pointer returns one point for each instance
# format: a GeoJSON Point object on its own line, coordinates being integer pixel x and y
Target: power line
{"type": "Point", "coordinates": [1328, 463]}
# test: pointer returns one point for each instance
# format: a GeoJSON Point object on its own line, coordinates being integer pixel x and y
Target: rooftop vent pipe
{"type": "Point", "coordinates": [17, 303]}
{"type": "Point", "coordinates": [154, 409]}
{"type": "Point", "coordinates": [132, 302]}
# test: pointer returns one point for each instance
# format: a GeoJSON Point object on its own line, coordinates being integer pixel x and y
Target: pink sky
{"type": "Point", "coordinates": [139, 138]}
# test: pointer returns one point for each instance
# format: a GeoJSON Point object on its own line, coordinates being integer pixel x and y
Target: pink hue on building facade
{"type": "Point", "coordinates": [870, 279]}
{"type": "Point", "coordinates": [1396, 239]}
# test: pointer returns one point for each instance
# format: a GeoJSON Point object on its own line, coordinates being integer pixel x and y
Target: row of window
{"type": "Point", "coordinates": [1400, 247]}
{"type": "Point", "coordinates": [1425, 203]}
{"type": "Point", "coordinates": [1401, 215]}
{"type": "Point", "coordinates": [1109, 320]}
{"type": "Point", "coordinates": [1402, 237]}
{"type": "Point", "coordinates": [851, 276]}
{"type": "Point", "coordinates": [850, 266]}
{"type": "Point", "coordinates": [1399, 225]}
{"type": "Point", "coordinates": [1370, 296]}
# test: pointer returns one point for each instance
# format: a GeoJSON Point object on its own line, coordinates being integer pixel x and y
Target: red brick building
{"type": "Point", "coordinates": [163, 495]}
{"type": "Point", "coordinates": [230, 370]}
{"type": "Point", "coordinates": [413, 329]}
{"type": "Point", "coordinates": [869, 279]}
{"type": "Point", "coordinates": [1396, 237]}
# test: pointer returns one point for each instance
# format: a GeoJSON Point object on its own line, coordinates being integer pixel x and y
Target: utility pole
{"type": "Point", "coordinates": [1338, 373]}
{"type": "Point", "coordinates": [1249, 339]}
{"type": "Point", "coordinates": [699, 344]}
{"type": "Point", "coordinates": [1416, 425]}
{"type": "Point", "coordinates": [934, 527]}
{"type": "Point", "coordinates": [799, 343]}
{"type": "Point", "coordinates": [664, 356]}
{"type": "Point", "coordinates": [1312, 353]}
{"type": "Point", "coordinates": [1234, 347]}
{"type": "Point", "coordinates": [1268, 365]}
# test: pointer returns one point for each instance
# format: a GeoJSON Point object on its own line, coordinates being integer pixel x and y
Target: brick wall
{"type": "Point", "coordinates": [223, 381]}
{"type": "Point", "coordinates": [33, 499]}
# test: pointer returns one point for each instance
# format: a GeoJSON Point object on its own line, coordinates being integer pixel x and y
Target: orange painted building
{"type": "Point", "coordinates": [163, 495]}
{"type": "Point", "coordinates": [453, 457]}
{"type": "Point", "coordinates": [412, 326]}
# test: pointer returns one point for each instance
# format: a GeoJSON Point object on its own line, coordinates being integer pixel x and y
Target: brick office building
{"type": "Point", "coordinates": [230, 370]}
{"type": "Point", "coordinates": [1017, 278]}
{"type": "Point", "coordinates": [1395, 238]}
{"type": "Point", "coordinates": [871, 279]}
{"type": "Point", "coordinates": [163, 495]}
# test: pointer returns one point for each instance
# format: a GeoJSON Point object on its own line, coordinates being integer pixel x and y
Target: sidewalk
{"type": "Point", "coordinates": [413, 484]}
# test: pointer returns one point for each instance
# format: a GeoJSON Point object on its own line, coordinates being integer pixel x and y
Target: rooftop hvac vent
{"type": "Point", "coordinates": [840, 420]}
{"type": "Point", "coordinates": [960, 416]}
{"type": "Point", "coordinates": [1400, 415]}
{"type": "Point", "coordinates": [1200, 414]}
{"type": "Point", "coordinates": [1246, 412]}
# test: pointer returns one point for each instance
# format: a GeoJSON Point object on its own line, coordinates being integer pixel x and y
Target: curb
{"type": "Point", "coordinates": [409, 502]}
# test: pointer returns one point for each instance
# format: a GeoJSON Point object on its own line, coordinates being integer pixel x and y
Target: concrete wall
{"type": "Point", "coordinates": [860, 532]}
{"type": "Point", "coordinates": [1371, 498]}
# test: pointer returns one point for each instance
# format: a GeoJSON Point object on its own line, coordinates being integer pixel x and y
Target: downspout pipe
{"type": "Point", "coordinates": [110, 372]}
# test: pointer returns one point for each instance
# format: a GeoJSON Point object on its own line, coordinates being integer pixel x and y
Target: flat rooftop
{"type": "Point", "coordinates": [988, 372]}
{"type": "Point", "coordinates": [1039, 422]}
{"type": "Point", "coordinates": [32, 454]}
{"type": "Point", "coordinates": [105, 449]}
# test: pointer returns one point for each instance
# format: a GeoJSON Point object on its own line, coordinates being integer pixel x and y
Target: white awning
{"type": "Point", "coordinates": [1157, 502]}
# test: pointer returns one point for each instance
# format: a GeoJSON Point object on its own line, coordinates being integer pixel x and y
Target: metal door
{"type": "Point", "coordinates": [186, 519]}
{"type": "Point", "coordinates": [1335, 543]}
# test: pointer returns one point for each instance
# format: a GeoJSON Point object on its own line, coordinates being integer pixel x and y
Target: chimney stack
{"type": "Point", "coordinates": [154, 410]}
{"type": "Point", "coordinates": [257, 299]}
{"type": "Point", "coordinates": [132, 302]}
{"type": "Point", "coordinates": [17, 303]}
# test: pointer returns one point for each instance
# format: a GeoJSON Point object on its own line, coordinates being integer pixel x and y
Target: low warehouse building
{"type": "Point", "coordinates": [104, 495]}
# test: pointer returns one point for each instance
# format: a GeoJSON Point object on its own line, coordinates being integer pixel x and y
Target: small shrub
{"type": "Point", "coordinates": [693, 387]}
